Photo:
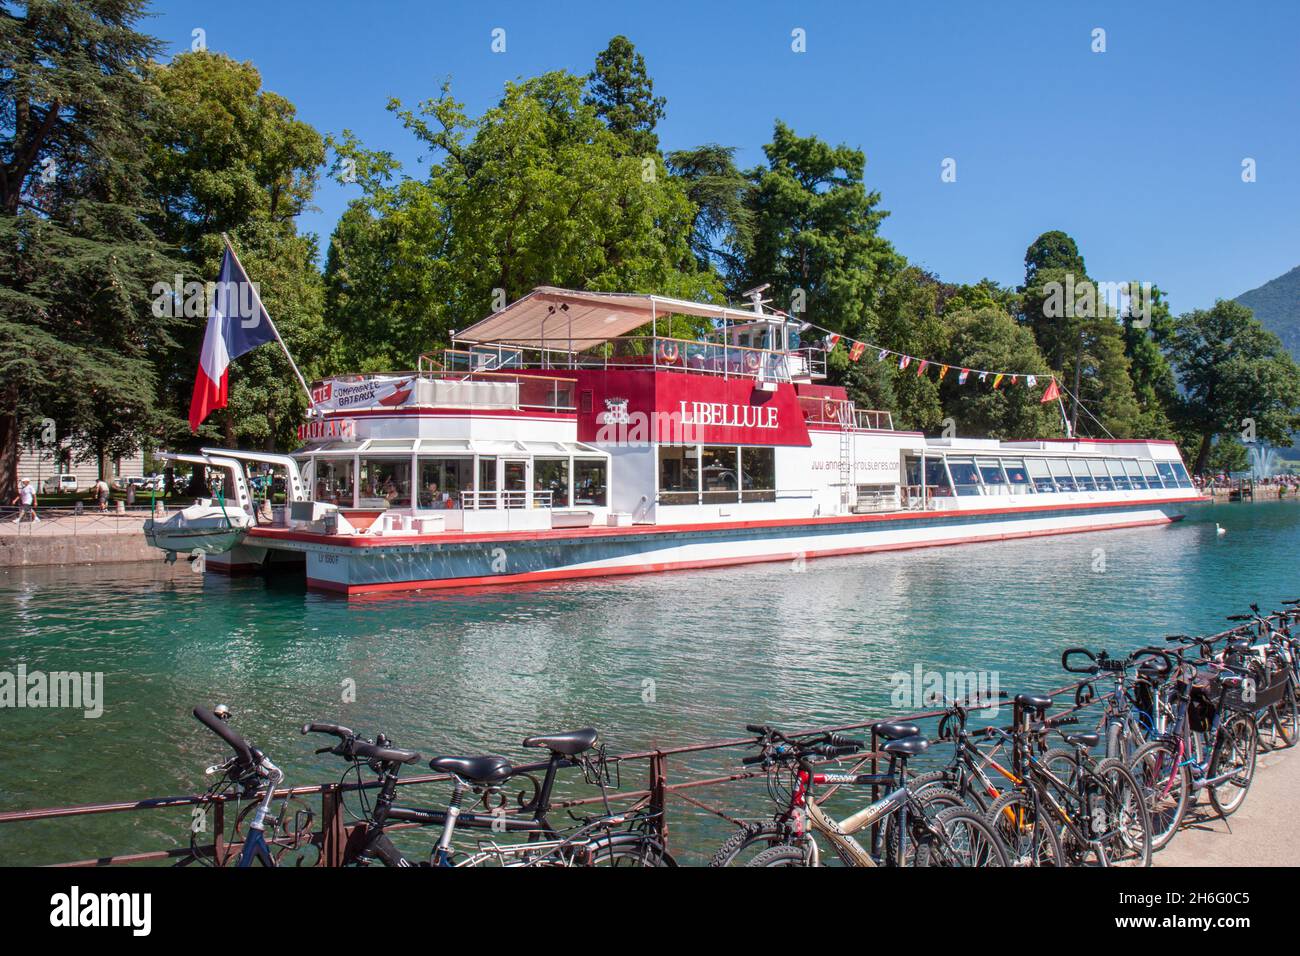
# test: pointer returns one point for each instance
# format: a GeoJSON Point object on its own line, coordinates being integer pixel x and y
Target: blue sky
{"type": "Point", "coordinates": [1136, 152]}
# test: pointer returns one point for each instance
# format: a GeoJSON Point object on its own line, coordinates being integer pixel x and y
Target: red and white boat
{"type": "Point", "coordinates": [550, 442]}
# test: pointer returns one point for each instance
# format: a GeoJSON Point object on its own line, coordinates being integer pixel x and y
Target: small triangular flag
{"type": "Point", "coordinates": [961, 379]}
{"type": "Point", "coordinates": [832, 340]}
{"type": "Point", "coordinates": [1031, 380]}
{"type": "Point", "coordinates": [920, 369]}
{"type": "Point", "coordinates": [905, 361]}
{"type": "Point", "coordinates": [997, 380]}
{"type": "Point", "coordinates": [1051, 393]}
{"type": "Point", "coordinates": [884, 354]}
{"type": "Point", "coordinates": [943, 370]}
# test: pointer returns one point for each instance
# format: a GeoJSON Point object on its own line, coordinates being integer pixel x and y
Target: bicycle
{"type": "Point", "coordinates": [612, 839]}
{"type": "Point", "coordinates": [254, 775]}
{"type": "Point", "coordinates": [1211, 744]}
{"type": "Point", "coordinates": [1096, 809]}
{"type": "Point", "coordinates": [906, 831]}
{"type": "Point", "coordinates": [1129, 712]}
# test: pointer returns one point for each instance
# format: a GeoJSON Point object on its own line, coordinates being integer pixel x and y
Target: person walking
{"type": "Point", "coordinates": [101, 494]}
{"type": "Point", "coordinates": [26, 501]}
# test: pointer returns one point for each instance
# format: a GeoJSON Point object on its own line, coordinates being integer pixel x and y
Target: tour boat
{"type": "Point", "coordinates": [567, 436]}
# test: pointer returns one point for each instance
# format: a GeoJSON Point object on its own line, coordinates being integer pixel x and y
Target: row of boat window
{"type": "Point", "coordinates": [977, 475]}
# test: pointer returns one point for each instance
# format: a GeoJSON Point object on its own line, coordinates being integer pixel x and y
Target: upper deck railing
{"type": "Point", "coordinates": [841, 413]}
{"type": "Point", "coordinates": [481, 389]}
{"type": "Point", "coordinates": [638, 352]}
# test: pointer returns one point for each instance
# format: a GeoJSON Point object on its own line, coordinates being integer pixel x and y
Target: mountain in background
{"type": "Point", "coordinates": [1277, 305]}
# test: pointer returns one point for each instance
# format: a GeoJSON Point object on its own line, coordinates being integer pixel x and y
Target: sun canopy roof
{"type": "Point", "coordinates": [564, 319]}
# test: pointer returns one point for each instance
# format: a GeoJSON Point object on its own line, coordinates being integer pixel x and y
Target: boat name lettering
{"type": "Point", "coordinates": [728, 416]}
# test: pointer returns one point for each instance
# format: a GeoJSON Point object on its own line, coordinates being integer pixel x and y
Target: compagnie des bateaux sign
{"type": "Point", "coordinates": [377, 392]}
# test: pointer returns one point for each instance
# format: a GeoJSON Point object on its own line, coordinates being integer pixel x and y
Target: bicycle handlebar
{"type": "Point", "coordinates": [224, 731]}
{"type": "Point", "coordinates": [319, 727]}
{"type": "Point", "coordinates": [1089, 669]}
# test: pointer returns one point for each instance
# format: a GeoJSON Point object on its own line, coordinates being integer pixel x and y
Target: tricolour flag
{"type": "Point", "coordinates": [904, 361]}
{"type": "Point", "coordinates": [997, 380]}
{"type": "Point", "coordinates": [943, 370]}
{"type": "Point", "coordinates": [832, 340]}
{"type": "Point", "coordinates": [961, 378]}
{"type": "Point", "coordinates": [884, 354]}
{"type": "Point", "coordinates": [1051, 393]}
{"type": "Point", "coordinates": [237, 323]}
{"type": "Point", "coordinates": [920, 369]}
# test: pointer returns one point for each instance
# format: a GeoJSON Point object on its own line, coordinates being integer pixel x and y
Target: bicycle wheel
{"type": "Point", "coordinates": [747, 842]}
{"type": "Point", "coordinates": [1126, 833]}
{"type": "Point", "coordinates": [1277, 724]}
{"type": "Point", "coordinates": [964, 840]}
{"type": "Point", "coordinates": [1167, 785]}
{"type": "Point", "coordinates": [642, 853]}
{"type": "Point", "coordinates": [1030, 841]}
{"type": "Point", "coordinates": [930, 803]}
{"type": "Point", "coordinates": [780, 856]}
{"type": "Point", "coordinates": [1235, 759]}
{"type": "Point", "coordinates": [944, 780]}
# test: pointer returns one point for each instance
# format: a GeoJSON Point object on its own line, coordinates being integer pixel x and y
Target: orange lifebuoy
{"type": "Point", "coordinates": [830, 410]}
{"type": "Point", "coordinates": [668, 352]}
{"type": "Point", "coordinates": [751, 360]}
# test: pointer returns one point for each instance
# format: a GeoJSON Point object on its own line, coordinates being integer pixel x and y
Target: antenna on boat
{"type": "Point", "coordinates": [755, 296]}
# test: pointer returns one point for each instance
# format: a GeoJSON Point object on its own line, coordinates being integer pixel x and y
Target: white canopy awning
{"type": "Point", "coordinates": [565, 319]}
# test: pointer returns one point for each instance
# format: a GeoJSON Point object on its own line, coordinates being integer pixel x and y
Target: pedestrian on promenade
{"type": "Point", "coordinates": [130, 495]}
{"type": "Point", "coordinates": [101, 494]}
{"type": "Point", "coordinates": [26, 501]}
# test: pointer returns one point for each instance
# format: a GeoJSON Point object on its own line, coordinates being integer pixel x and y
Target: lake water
{"type": "Point", "coordinates": [656, 660]}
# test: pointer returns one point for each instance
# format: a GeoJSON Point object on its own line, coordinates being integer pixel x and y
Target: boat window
{"type": "Point", "coordinates": [552, 474]}
{"type": "Point", "coordinates": [384, 483]}
{"type": "Point", "coordinates": [1117, 475]}
{"type": "Point", "coordinates": [1184, 481]}
{"type": "Point", "coordinates": [1016, 475]}
{"type": "Point", "coordinates": [1149, 472]}
{"type": "Point", "coordinates": [1038, 472]}
{"type": "Point", "coordinates": [936, 479]}
{"type": "Point", "coordinates": [487, 473]}
{"type": "Point", "coordinates": [334, 481]}
{"type": "Point", "coordinates": [590, 481]}
{"type": "Point", "coordinates": [1082, 477]}
{"type": "Point", "coordinates": [444, 480]}
{"type": "Point", "coordinates": [964, 476]}
{"type": "Point", "coordinates": [1099, 474]}
{"type": "Point", "coordinates": [719, 471]}
{"type": "Point", "coordinates": [1167, 473]}
{"type": "Point", "coordinates": [991, 471]}
{"type": "Point", "coordinates": [758, 474]}
{"type": "Point", "coordinates": [679, 474]}
{"type": "Point", "coordinates": [1061, 472]}
{"type": "Point", "coordinates": [1135, 475]}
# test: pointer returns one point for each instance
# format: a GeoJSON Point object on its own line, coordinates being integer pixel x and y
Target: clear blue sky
{"type": "Point", "coordinates": [1136, 152]}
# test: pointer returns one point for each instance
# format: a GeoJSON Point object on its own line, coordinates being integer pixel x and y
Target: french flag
{"type": "Point", "coordinates": [237, 323]}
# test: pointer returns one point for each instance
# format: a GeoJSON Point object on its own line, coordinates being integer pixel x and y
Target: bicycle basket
{"type": "Point", "coordinates": [1248, 697]}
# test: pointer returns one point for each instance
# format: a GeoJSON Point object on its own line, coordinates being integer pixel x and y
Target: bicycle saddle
{"type": "Point", "coordinates": [1081, 740]}
{"type": "Point", "coordinates": [895, 729]}
{"type": "Point", "coordinates": [486, 769]}
{"type": "Point", "coordinates": [570, 742]}
{"type": "Point", "coordinates": [907, 746]}
{"type": "Point", "coordinates": [1033, 701]}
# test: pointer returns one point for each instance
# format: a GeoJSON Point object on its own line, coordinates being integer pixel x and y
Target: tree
{"type": "Point", "coordinates": [1236, 378]}
{"type": "Point", "coordinates": [722, 229]}
{"type": "Point", "coordinates": [991, 339]}
{"type": "Point", "coordinates": [231, 157]}
{"type": "Point", "coordinates": [816, 233]}
{"type": "Point", "coordinates": [1148, 329]}
{"type": "Point", "coordinates": [77, 260]}
{"type": "Point", "coordinates": [536, 191]}
{"type": "Point", "coordinates": [623, 94]}
{"type": "Point", "coordinates": [1079, 333]}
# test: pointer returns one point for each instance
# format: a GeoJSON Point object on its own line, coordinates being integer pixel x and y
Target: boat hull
{"type": "Point", "coordinates": [366, 566]}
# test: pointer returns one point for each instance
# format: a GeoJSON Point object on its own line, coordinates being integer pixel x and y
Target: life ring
{"type": "Point", "coordinates": [830, 410]}
{"type": "Point", "coordinates": [751, 361]}
{"type": "Point", "coordinates": [668, 352]}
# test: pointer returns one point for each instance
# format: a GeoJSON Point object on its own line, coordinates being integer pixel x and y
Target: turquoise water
{"type": "Point", "coordinates": [477, 671]}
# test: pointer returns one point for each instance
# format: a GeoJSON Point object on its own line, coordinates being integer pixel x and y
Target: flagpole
{"type": "Point", "coordinates": [311, 404]}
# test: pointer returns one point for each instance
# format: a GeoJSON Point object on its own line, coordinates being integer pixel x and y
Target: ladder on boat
{"type": "Point", "coordinates": [848, 492]}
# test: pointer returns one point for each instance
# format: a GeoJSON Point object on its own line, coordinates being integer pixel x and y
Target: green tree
{"type": "Point", "coordinates": [231, 157]}
{"type": "Point", "coordinates": [1080, 335]}
{"type": "Point", "coordinates": [623, 94]}
{"type": "Point", "coordinates": [536, 191]}
{"type": "Point", "coordinates": [1237, 378]}
{"type": "Point", "coordinates": [77, 262]}
{"type": "Point", "coordinates": [722, 228]}
{"type": "Point", "coordinates": [1148, 330]}
{"type": "Point", "coordinates": [816, 233]}
{"type": "Point", "coordinates": [991, 339]}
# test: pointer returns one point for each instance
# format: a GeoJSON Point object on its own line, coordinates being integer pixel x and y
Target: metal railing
{"type": "Point", "coordinates": [496, 500]}
{"type": "Point", "coordinates": [332, 833]}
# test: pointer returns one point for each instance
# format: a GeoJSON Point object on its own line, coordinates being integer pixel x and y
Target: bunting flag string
{"type": "Point", "coordinates": [857, 349]}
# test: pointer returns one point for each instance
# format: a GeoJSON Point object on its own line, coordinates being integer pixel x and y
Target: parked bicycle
{"type": "Point", "coordinates": [908, 829]}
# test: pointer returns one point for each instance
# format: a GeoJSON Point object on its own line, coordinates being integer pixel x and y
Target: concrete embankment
{"type": "Point", "coordinates": [1264, 832]}
{"type": "Point", "coordinates": [91, 538]}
